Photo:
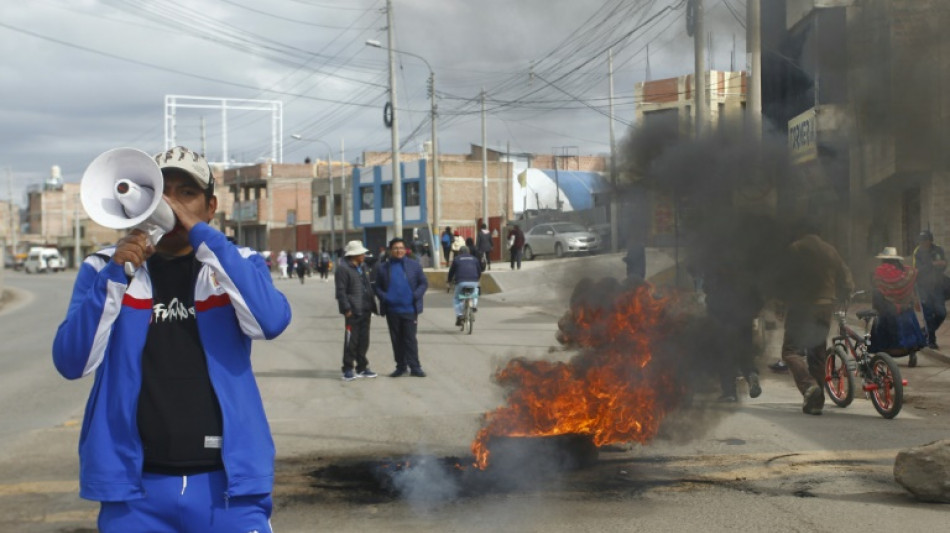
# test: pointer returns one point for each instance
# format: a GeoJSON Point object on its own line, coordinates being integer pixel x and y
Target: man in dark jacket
{"type": "Point", "coordinates": [354, 293]}
{"type": "Point", "coordinates": [400, 286]}
{"type": "Point", "coordinates": [816, 276]}
{"type": "Point", "coordinates": [931, 262]}
{"type": "Point", "coordinates": [484, 246]}
{"type": "Point", "coordinates": [516, 245]}
{"type": "Point", "coordinates": [464, 272]}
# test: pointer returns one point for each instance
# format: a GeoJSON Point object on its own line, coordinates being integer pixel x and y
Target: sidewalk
{"type": "Point", "coordinates": [943, 341]}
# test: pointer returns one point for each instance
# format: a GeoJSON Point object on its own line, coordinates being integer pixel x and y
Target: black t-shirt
{"type": "Point", "coordinates": [179, 418]}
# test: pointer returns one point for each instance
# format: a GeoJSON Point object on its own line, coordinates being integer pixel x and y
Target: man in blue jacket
{"type": "Point", "coordinates": [400, 286]}
{"type": "Point", "coordinates": [174, 434]}
{"type": "Point", "coordinates": [464, 272]}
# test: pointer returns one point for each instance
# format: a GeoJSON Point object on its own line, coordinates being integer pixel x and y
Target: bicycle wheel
{"type": "Point", "coordinates": [888, 394]}
{"type": "Point", "coordinates": [839, 381]}
{"type": "Point", "coordinates": [469, 316]}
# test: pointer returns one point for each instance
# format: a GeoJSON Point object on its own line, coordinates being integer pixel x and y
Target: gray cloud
{"type": "Point", "coordinates": [64, 104]}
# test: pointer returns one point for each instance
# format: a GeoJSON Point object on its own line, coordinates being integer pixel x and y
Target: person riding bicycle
{"type": "Point", "coordinates": [464, 272]}
{"type": "Point", "coordinates": [896, 329]}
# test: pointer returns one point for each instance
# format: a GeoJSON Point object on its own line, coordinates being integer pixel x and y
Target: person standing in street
{"type": "Point", "coordinates": [732, 304]}
{"type": "Point", "coordinates": [300, 265]}
{"type": "Point", "coordinates": [464, 272]}
{"type": "Point", "coordinates": [816, 277]}
{"type": "Point", "coordinates": [174, 435]}
{"type": "Point", "coordinates": [446, 240]}
{"type": "Point", "coordinates": [354, 294]}
{"type": "Point", "coordinates": [401, 286]}
{"type": "Point", "coordinates": [282, 264]}
{"type": "Point", "coordinates": [931, 262]}
{"type": "Point", "coordinates": [515, 245]}
{"type": "Point", "coordinates": [323, 265]}
{"type": "Point", "coordinates": [483, 247]}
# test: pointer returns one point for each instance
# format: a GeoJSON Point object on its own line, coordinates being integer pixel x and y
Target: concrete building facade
{"type": "Point", "coordinates": [860, 88]}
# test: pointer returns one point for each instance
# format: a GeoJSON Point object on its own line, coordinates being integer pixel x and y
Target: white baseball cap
{"type": "Point", "coordinates": [192, 163]}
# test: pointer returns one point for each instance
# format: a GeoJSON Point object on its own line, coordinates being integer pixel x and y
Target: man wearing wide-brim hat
{"type": "Point", "coordinates": [357, 301]}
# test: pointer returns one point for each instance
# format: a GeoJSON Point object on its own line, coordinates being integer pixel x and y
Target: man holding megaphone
{"type": "Point", "coordinates": [174, 436]}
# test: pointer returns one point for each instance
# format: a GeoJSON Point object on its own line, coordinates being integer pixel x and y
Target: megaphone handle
{"type": "Point", "coordinates": [154, 235]}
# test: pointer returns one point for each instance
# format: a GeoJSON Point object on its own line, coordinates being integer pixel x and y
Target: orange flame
{"type": "Point", "coordinates": [609, 392]}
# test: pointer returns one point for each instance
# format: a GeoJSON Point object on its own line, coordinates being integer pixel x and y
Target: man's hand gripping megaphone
{"type": "Point", "coordinates": [140, 243]}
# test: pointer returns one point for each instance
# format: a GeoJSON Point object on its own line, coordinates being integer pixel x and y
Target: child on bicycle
{"type": "Point", "coordinates": [465, 271]}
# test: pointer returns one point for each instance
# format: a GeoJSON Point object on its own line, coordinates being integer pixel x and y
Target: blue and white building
{"type": "Point", "coordinates": [373, 201]}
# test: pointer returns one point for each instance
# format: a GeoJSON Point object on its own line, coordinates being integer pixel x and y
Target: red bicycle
{"type": "Point", "coordinates": [849, 357]}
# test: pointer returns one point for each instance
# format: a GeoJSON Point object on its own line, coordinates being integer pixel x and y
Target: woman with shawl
{"type": "Point", "coordinates": [896, 329]}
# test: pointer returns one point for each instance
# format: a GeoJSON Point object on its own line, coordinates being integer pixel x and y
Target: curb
{"type": "Point", "coordinates": [936, 354]}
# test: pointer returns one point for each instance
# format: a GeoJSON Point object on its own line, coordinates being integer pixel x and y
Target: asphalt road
{"type": "Point", "coordinates": [759, 465]}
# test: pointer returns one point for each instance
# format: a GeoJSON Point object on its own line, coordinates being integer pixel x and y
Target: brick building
{"type": "Point", "coordinates": [51, 216]}
{"type": "Point", "coordinates": [268, 206]}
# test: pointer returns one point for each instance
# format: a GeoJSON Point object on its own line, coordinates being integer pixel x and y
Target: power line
{"type": "Point", "coordinates": [174, 71]}
{"type": "Point", "coordinates": [295, 21]}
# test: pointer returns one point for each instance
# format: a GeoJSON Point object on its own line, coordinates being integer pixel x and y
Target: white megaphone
{"type": "Point", "coordinates": [122, 188]}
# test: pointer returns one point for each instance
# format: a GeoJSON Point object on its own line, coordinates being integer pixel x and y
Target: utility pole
{"type": "Point", "coordinates": [699, 92]}
{"type": "Point", "coordinates": [436, 248]}
{"type": "Point", "coordinates": [343, 192]}
{"type": "Point", "coordinates": [435, 144]}
{"type": "Point", "coordinates": [14, 222]}
{"type": "Point", "coordinates": [484, 163]}
{"type": "Point", "coordinates": [332, 202]}
{"type": "Point", "coordinates": [614, 204]}
{"type": "Point", "coordinates": [239, 207]}
{"type": "Point", "coordinates": [397, 179]}
{"type": "Point", "coordinates": [754, 60]}
{"type": "Point", "coordinates": [557, 183]}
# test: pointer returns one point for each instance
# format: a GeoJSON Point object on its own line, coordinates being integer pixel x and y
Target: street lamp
{"type": "Point", "coordinates": [331, 207]}
{"type": "Point", "coordinates": [436, 200]}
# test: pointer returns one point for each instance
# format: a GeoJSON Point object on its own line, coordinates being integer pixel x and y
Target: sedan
{"type": "Point", "coordinates": [559, 238]}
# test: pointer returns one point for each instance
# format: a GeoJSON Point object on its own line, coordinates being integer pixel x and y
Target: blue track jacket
{"type": "Point", "coordinates": [418, 283]}
{"type": "Point", "coordinates": [104, 332]}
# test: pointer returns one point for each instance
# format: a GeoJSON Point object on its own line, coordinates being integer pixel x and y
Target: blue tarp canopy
{"type": "Point", "coordinates": [579, 187]}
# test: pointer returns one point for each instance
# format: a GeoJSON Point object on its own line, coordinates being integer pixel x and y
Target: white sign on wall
{"type": "Point", "coordinates": [803, 137]}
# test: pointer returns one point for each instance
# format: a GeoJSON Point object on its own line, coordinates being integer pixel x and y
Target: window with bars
{"type": "Point", "coordinates": [412, 194]}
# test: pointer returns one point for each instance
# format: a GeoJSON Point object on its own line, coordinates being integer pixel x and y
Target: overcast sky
{"type": "Point", "coordinates": [82, 76]}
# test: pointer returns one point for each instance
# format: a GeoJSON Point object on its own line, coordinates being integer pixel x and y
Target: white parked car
{"type": "Point", "coordinates": [44, 260]}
